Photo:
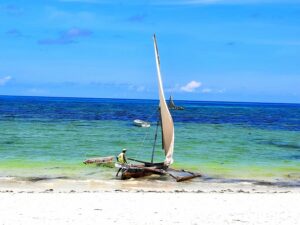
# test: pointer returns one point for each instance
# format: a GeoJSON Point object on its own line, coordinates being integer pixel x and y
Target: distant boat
{"type": "Point", "coordinates": [173, 106]}
{"type": "Point", "coordinates": [141, 123]}
{"type": "Point", "coordinates": [167, 131]}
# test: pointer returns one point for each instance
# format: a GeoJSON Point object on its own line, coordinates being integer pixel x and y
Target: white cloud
{"type": "Point", "coordinates": [191, 86]}
{"type": "Point", "coordinates": [4, 80]}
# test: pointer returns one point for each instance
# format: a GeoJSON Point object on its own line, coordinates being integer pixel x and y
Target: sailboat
{"type": "Point", "coordinates": [168, 135]}
{"type": "Point", "coordinates": [173, 106]}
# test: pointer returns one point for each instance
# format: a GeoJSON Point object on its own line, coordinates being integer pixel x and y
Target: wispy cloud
{"type": "Point", "coordinates": [14, 33]}
{"type": "Point", "coordinates": [56, 14]}
{"type": "Point", "coordinates": [221, 90]}
{"type": "Point", "coordinates": [57, 41]}
{"type": "Point", "coordinates": [138, 18]}
{"type": "Point", "coordinates": [175, 88]}
{"type": "Point", "coordinates": [76, 32]}
{"type": "Point", "coordinates": [37, 91]}
{"type": "Point", "coordinates": [191, 86]}
{"type": "Point", "coordinates": [138, 88]}
{"type": "Point", "coordinates": [223, 2]}
{"type": "Point", "coordinates": [212, 91]}
{"type": "Point", "coordinates": [67, 37]}
{"type": "Point", "coordinates": [11, 9]}
{"type": "Point", "coordinates": [206, 90]}
{"type": "Point", "coordinates": [83, 1]}
{"type": "Point", "coordinates": [276, 42]}
{"type": "Point", "coordinates": [185, 2]}
{"type": "Point", "coordinates": [5, 80]}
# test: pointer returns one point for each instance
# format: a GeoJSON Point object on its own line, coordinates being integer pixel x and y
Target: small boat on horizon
{"type": "Point", "coordinates": [141, 123]}
{"type": "Point", "coordinates": [172, 105]}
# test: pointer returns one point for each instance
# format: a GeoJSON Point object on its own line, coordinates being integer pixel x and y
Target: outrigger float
{"type": "Point", "coordinates": [107, 161]}
{"type": "Point", "coordinates": [167, 129]}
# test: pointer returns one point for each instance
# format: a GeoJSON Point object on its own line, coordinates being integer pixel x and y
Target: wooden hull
{"type": "Point", "coordinates": [141, 170]}
{"type": "Point", "coordinates": [135, 173]}
{"type": "Point", "coordinates": [147, 169]}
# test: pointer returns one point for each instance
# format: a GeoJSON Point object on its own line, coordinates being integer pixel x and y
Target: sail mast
{"type": "Point", "coordinates": [167, 125]}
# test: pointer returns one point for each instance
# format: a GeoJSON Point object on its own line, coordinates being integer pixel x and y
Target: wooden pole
{"type": "Point", "coordinates": [155, 138]}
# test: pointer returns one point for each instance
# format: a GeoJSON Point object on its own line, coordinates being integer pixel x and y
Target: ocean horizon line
{"type": "Point", "coordinates": [148, 99]}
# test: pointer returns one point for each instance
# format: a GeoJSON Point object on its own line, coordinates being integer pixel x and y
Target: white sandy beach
{"type": "Point", "coordinates": [149, 208]}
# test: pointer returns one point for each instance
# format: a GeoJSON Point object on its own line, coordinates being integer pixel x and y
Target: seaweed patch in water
{"type": "Point", "coordinates": [265, 183]}
{"type": "Point", "coordinates": [294, 157]}
{"type": "Point", "coordinates": [8, 142]}
{"type": "Point", "coordinates": [36, 179]}
{"type": "Point", "coordinates": [281, 144]}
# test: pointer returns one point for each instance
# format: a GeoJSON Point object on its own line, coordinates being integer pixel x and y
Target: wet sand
{"type": "Point", "coordinates": [150, 184]}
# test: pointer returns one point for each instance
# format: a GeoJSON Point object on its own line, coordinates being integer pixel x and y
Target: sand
{"type": "Point", "coordinates": [138, 202]}
{"type": "Point", "coordinates": [148, 208]}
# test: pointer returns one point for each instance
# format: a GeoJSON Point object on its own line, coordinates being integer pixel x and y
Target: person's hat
{"type": "Point", "coordinates": [124, 150]}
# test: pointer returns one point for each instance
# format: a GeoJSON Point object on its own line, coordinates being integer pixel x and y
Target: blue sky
{"type": "Point", "coordinates": [221, 50]}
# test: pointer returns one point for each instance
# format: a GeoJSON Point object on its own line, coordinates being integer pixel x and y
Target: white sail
{"type": "Point", "coordinates": [166, 118]}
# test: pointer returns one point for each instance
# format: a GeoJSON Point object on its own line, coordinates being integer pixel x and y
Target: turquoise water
{"type": "Point", "coordinates": [50, 137]}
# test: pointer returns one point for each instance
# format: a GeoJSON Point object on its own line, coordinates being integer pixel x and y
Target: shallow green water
{"type": "Point", "coordinates": [35, 148]}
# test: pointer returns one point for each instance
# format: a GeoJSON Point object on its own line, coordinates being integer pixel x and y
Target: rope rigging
{"type": "Point", "coordinates": [147, 134]}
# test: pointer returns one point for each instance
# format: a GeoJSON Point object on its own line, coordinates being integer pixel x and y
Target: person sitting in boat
{"type": "Point", "coordinates": [121, 159]}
